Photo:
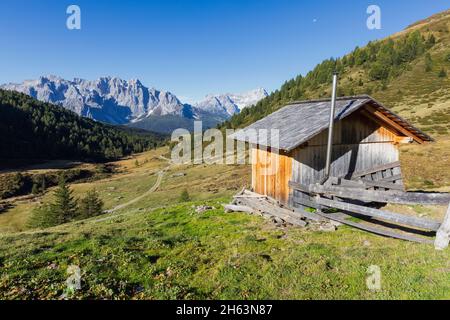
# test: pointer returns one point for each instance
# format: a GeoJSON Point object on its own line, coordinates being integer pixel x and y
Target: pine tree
{"type": "Point", "coordinates": [379, 71]}
{"type": "Point", "coordinates": [428, 63]}
{"type": "Point", "coordinates": [43, 217]}
{"type": "Point", "coordinates": [65, 206]}
{"type": "Point", "coordinates": [431, 41]}
{"type": "Point", "coordinates": [184, 197]}
{"type": "Point", "coordinates": [91, 205]}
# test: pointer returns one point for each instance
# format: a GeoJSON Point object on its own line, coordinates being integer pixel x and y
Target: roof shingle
{"type": "Point", "coordinates": [300, 121]}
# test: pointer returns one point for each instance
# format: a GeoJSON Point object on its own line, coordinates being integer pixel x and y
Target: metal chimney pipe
{"type": "Point", "coordinates": [330, 128]}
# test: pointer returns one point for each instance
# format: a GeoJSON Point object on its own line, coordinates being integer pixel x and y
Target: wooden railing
{"type": "Point", "coordinates": [384, 177]}
{"type": "Point", "coordinates": [329, 196]}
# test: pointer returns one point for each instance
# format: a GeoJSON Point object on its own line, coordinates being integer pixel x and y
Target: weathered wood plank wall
{"type": "Point", "coordinates": [359, 144]}
{"type": "Point", "coordinates": [271, 173]}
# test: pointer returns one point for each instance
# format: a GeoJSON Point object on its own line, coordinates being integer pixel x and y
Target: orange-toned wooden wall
{"type": "Point", "coordinates": [271, 173]}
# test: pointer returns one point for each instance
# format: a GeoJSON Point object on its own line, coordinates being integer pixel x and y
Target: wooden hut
{"type": "Point", "coordinates": [365, 145]}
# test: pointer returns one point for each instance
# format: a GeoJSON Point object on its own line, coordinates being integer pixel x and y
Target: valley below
{"type": "Point", "coordinates": [152, 244]}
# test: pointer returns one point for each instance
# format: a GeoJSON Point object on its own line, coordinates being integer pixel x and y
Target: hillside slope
{"type": "Point", "coordinates": [30, 129]}
{"type": "Point", "coordinates": [160, 247]}
{"type": "Point", "coordinates": [409, 72]}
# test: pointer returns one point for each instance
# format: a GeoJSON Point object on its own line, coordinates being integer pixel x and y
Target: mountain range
{"type": "Point", "coordinates": [117, 101]}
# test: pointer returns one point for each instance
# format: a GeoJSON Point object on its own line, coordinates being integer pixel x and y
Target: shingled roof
{"type": "Point", "coordinates": [298, 122]}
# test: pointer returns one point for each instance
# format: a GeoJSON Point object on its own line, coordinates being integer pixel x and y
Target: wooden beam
{"type": "Point", "coordinates": [394, 124]}
{"type": "Point", "coordinates": [266, 206]}
{"type": "Point", "coordinates": [385, 185]}
{"type": "Point", "coordinates": [341, 182]}
{"type": "Point", "coordinates": [365, 184]}
{"type": "Point", "coordinates": [395, 177]}
{"type": "Point", "coordinates": [235, 208]}
{"type": "Point", "coordinates": [299, 187]}
{"type": "Point", "coordinates": [309, 215]}
{"type": "Point", "coordinates": [306, 203]}
{"type": "Point", "coordinates": [403, 140]}
{"type": "Point", "coordinates": [380, 122]}
{"type": "Point", "coordinates": [378, 231]}
{"type": "Point", "coordinates": [376, 196]}
{"type": "Point", "coordinates": [249, 196]}
{"type": "Point", "coordinates": [376, 169]}
{"type": "Point", "coordinates": [381, 214]}
{"type": "Point", "coordinates": [443, 234]}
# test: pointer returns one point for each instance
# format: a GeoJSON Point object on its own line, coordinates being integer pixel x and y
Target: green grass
{"type": "Point", "coordinates": [176, 253]}
{"type": "Point", "coordinates": [203, 182]}
{"type": "Point", "coordinates": [159, 248]}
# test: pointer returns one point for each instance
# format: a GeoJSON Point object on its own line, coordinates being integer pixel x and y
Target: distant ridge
{"type": "Point", "coordinates": [117, 101]}
{"type": "Point", "coordinates": [31, 129]}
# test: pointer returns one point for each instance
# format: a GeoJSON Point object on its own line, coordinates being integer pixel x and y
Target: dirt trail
{"type": "Point", "coordinates": [145, 194]}
{"type": "Point", "coordinates": [155, 187]}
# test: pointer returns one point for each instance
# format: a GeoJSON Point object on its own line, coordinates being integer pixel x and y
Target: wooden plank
{"type": "Point", "coordinates": [403, 140]}
{"type": "Point", "coordinates": [378, 231]}
{"type": "Point", "coordinates": [249, 196]}
{"type": "Point", "coordinates": [309, 215]}
{"type": "Point", "coordinates": [385, 185]}
{"type": "Point", "coordinates": [307, 203]}
{"type": "Point", "coordinates": [376, 169]}
{"type": "Point", "coordinates": [394, 124]}
{"type": "Point", "coordinates": [365, 184]}
{"type": "Point", "coordinates": [378, 176]}
{"type": "Point", "coordinates": [236, 208]}
{"type": "Point", "coordinates": [299, 187]}
{"type": "Point", "coordinates": [392, 178]}
{"type": "Point", "coordinates": [271, 208]}
{"type": "Point", "coordinates": [380, 122]}
{"type": "Point", "coordinates": [376, 196]}
{"type": "Point", "coordinates": [443, 234]}
{"type": "Point", "coordinates": [381, 214]}
{"type": "Point", "coordinates": [345, 183]}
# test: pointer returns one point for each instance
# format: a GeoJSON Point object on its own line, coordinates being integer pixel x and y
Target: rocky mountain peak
{"type": "Point", "coordinates": [117, 101]}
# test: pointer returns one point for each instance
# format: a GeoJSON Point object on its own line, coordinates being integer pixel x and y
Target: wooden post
{"type": "Point", "coordinates": [443, 234]}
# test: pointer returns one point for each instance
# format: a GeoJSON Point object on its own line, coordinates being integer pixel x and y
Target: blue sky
{"type": "Point", "coordinates": [195, 47]}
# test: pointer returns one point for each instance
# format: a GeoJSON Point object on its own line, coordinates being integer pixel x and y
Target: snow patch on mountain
{"type": "Point", "coordinates": [108, 99]}
{"type": "Point", "coordinates": [117, 101]}
{"type": "Point", "coordinates": [230, 104]}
